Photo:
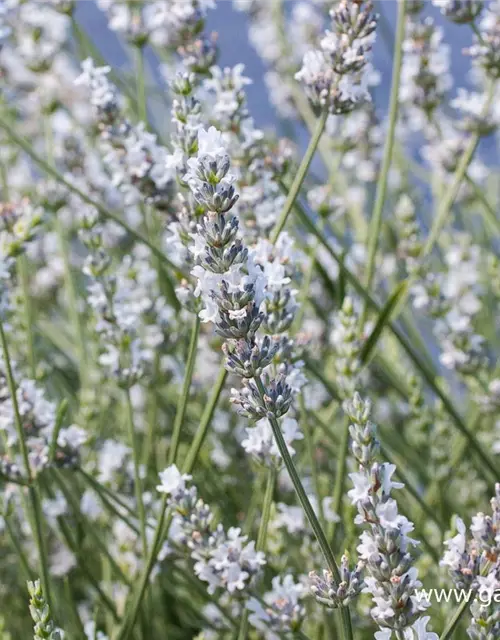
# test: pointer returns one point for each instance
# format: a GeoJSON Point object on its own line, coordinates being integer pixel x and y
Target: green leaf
{"type": "Point", "coordinates": [383, 320]}
{"type": "Point", "coordinates": [488, 464]}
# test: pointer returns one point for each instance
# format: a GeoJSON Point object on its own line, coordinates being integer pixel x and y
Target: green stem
{"type": "Point", "coordinates": [129, 621]}
{"type": "Point", "coordinates": [452, 624]}
{"type": "Point", "coordinates": [164, 520]}
{"type": "Point", "coordinates": [376, 219]}
{"type": "Point", "coordinates": [108, 497]}
{"type": "Point", "coordinates": [300, 177]}
{"type": "Point", "coordinates": [340, 475]}
{"type": "Point", "coordinates": [13, 394]}
{"type": "Point", "coordinates": [97, 542]}
{"type": "Point", "coordinates": [74, 314]}
{"type": "Point", "coordinates": [14, 538]}
{"type": "Point", "coordinates": [307, 507]}
{"type": "Point", "coordinates": [60, 415]}
{"type": "Point", "coordinates": [137, 470]}
{"type": "Point", "coordinates": [266, 509]}
{"type": "Point", "coordinates": [206, 419]}
{"type": "Point", "coordinates": [454, 187]}
{"type": "Point", "coordinates": [309, 438]}
{"type": "Point", "coordinates": [36, 521]}
{"type": "Point", "coordinates": [261, 537]}
{"type": "Point", "coordinates": [40, 540]}
{"type": "Point", "coordinates": [489, 213]}
{"type": "Point", "coordinates": [147, 449]}
{"type": "Point", "coordinates": [478, 33]}
{"type": "Point", "coordinates": [23, 269]}
{"type": "Point", "coordinates": [299, 489]}
{"type": "Point", "coordinates": [184, 397]}
{"type": "Point", "coordinates": [141, 85]}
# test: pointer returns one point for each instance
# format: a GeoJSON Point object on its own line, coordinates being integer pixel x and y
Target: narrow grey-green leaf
{"type": "Point", "coordinates": [383, 320]}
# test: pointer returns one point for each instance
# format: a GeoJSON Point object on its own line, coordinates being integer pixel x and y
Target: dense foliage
{"type": "Point", "coordinates": [245, 391]}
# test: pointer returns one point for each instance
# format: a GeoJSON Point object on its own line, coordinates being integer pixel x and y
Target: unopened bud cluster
{"type": "Point", "coordinates": [347, 344]}
{"type": "Point", "coordinates": [44, 626]}
{"type": "Point", "coordinates": [333, 594]}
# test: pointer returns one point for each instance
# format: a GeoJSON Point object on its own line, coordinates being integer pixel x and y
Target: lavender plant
{"type": "Point", "coordinates": [203, 316]}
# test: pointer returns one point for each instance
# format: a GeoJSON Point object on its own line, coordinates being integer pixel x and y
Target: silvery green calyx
{"type": "Point", "coordinates": [363, 432]}
{"type": "Point", "coordinates": [280, 311]}
{"type": "Point", "coordinates": [473, 563]}
{"type": "Point", "coordinates": [208, 174]}
{"type": "Point", "coordinates": [245, 291]}
{"type": "Point", "coordinates": [331, 594]}
{"type": "Point", "coordinates": [276, 401]}
{"type": "Point", "coordinates": [238, 318]}
{"type": "Point", "coordinates": [250, 361]}
{"type": "Point", "coordinates": [336, 74]}
{"type": "Point", "coordinates": [281, 263]}
{"type": "Point", "coordinates": [44, 626]}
